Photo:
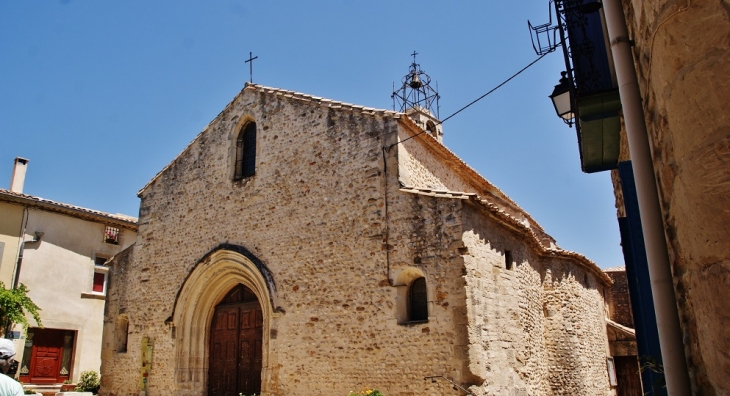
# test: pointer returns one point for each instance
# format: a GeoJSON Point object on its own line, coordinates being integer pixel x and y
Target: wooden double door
{"type": "Point", "coordinates": [47, 356]}
{"type": "Point", "coordinates": [236, 346]}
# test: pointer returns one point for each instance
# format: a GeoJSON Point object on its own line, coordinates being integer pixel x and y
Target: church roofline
{"type": "Point", "coordinates": [411, 127]}
{"type": "Point", "coordinates": [323, 101]}
{"type": "Point", "coordinates": [333, 104]}
{"type": "Point", "coordinates": [468, 172]}
{"type": "Point", "coordinates": [515, 224]}
{"type": "Point", "coordinates": [120, 220]}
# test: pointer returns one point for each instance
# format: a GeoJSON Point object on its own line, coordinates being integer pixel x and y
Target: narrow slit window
{"type": "Point", "coordinates": [122, 334]}
{"type": "Point", "coordinates": [246, 152]}
{"type": "Point", "coordinates": [508, 261]}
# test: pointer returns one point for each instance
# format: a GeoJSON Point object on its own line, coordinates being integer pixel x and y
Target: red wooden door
{"type": "Point", "coordinates": [45, 360]}
{"type": "Point", "coordinates": [235, 350]}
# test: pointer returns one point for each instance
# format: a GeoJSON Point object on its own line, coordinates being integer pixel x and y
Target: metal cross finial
{"type": "Point", "coordinates": [414, 56]}
{"type": "Point", "coordinates": [250, 66]}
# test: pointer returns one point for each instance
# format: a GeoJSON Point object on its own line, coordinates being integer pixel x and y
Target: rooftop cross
{"type": "Point", "coordinates": [414, 56]}
{"type": "Point", "coordinates": [250, 66]}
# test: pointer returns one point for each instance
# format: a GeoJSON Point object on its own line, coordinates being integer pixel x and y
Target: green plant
{"type": "Point", "coordinates": [89, 382]}
{"type": "Point", "coordinates": [652, 364]}
{"type": "Point", "coordinates": [366, 392]}
{"type": "Point", "coordinates": [14, 303]}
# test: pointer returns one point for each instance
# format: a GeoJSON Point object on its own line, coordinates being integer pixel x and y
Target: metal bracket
{"type": "Point", "coordinates": [623, 39]}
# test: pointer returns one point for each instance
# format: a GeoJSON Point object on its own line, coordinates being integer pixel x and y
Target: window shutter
{"type": "Point", "coordinates": [99, 278]}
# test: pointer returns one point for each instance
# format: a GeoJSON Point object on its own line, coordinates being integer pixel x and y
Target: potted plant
{"type": "Point", "coordinates": [89, 382]}
{"type": "Point", "coordinates": [67, 386]}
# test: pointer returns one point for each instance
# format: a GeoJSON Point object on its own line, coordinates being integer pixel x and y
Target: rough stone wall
{"type": "Point", "coordinates": [537, 328]}
{"type": "Point", "coordinates": [120, 369]}
{"type": "Point", "coordinates": [424, 163]}
{"type": "Point", "coordinates": [314, 213]}
{"type": "Point", "coordinates": [576, 344]}
{"type": "Point", "coordinates": [325, 214]}
{"type": "Point", "coordinates": [682, 55]}
{"type": "Point", "coordinates": [425, 234]}
{"type": "Point", "coordinates": [421, 167]}
{"type": "Point", "coordinates": [506, 330]}
{"type": "Point", "coordinates": [620, 304]}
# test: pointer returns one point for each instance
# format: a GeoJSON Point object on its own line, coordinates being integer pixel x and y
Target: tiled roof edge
{"type": "Point", "coordinates": [473, 174]}
{"type": "Point", "coordinates": [515, 224]}
{"type": "Point", "coordinates": [626, 330]}
{"type": "Point", "coordinates": [14, 197]}
{"type": "Point", "coordinates": [322, 101]}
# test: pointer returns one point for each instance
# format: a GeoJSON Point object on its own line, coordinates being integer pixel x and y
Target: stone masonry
{"type": "Point", "coordinates": [329, 233]}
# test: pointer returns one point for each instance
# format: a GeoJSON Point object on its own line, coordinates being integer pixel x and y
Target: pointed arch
{"type": "Point", "coordinates": [205, 287]}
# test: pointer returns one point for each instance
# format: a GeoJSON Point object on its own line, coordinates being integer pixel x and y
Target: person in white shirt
{"type": "Point", "coordinates": [8, 385]}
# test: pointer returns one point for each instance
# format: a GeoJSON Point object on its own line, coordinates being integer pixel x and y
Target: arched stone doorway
{"type": "Point", "coordinates": [236, 334]}
{"type": "Point", "coordinates": [208, 284]}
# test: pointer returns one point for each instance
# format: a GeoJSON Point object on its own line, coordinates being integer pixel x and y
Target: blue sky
{"type": "Point", "coordinates": [100, 95]}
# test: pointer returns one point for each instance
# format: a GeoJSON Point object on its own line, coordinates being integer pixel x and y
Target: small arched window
{"type": "Point", "coordinates": [246, 152]}
{"type": "Point", "coordinates": [417, 301]}
{"type": "Point", "coordinates": [431, 128]}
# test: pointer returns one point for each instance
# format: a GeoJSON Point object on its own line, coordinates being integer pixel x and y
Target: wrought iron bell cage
{"type": "Point", "coordinates": [416, 91]}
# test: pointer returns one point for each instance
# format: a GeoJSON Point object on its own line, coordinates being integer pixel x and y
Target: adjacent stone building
{"type": "Point", "coordinates": [622, 335]}
{"type": "Point", "coordinates": [301, 245]}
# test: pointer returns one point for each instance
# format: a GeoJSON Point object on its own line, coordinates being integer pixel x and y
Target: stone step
{"type": "Point", "coordinates": [52, 390]}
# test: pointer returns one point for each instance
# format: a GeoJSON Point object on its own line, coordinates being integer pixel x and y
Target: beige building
{"type": "Point", "coordinates": [301, 245]}
{"type": "Point", "coordinates": [59, 252]}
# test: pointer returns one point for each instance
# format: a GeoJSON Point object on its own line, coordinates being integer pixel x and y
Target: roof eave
{"type": "Point", "coordinates": [70, 210]}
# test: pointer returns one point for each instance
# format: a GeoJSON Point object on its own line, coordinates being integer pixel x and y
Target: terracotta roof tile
{"type": "Point", "coordinates": [522, 225]}
{"type": "Point", "coordinates": [323, 101]}
{"type": "Point", "coordinates": [12, 196]}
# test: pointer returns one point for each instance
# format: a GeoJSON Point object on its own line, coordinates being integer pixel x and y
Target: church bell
{"type": "Point", "coordinates": [415, 82]}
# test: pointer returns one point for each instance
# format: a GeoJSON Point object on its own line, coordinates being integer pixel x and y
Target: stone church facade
{"type": "Point", "coordinates": [300, 245]}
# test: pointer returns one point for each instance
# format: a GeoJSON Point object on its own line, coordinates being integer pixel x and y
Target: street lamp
{"type": "Point", "coordinates": [562, 100]}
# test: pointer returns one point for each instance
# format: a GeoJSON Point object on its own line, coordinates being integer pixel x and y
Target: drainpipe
{"type": "Point", "coordinates": [37, 238]}
{"type": "Point", "coordinates": [660, 271]}
{"type": "Point", "coordinates": [21, 246]}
